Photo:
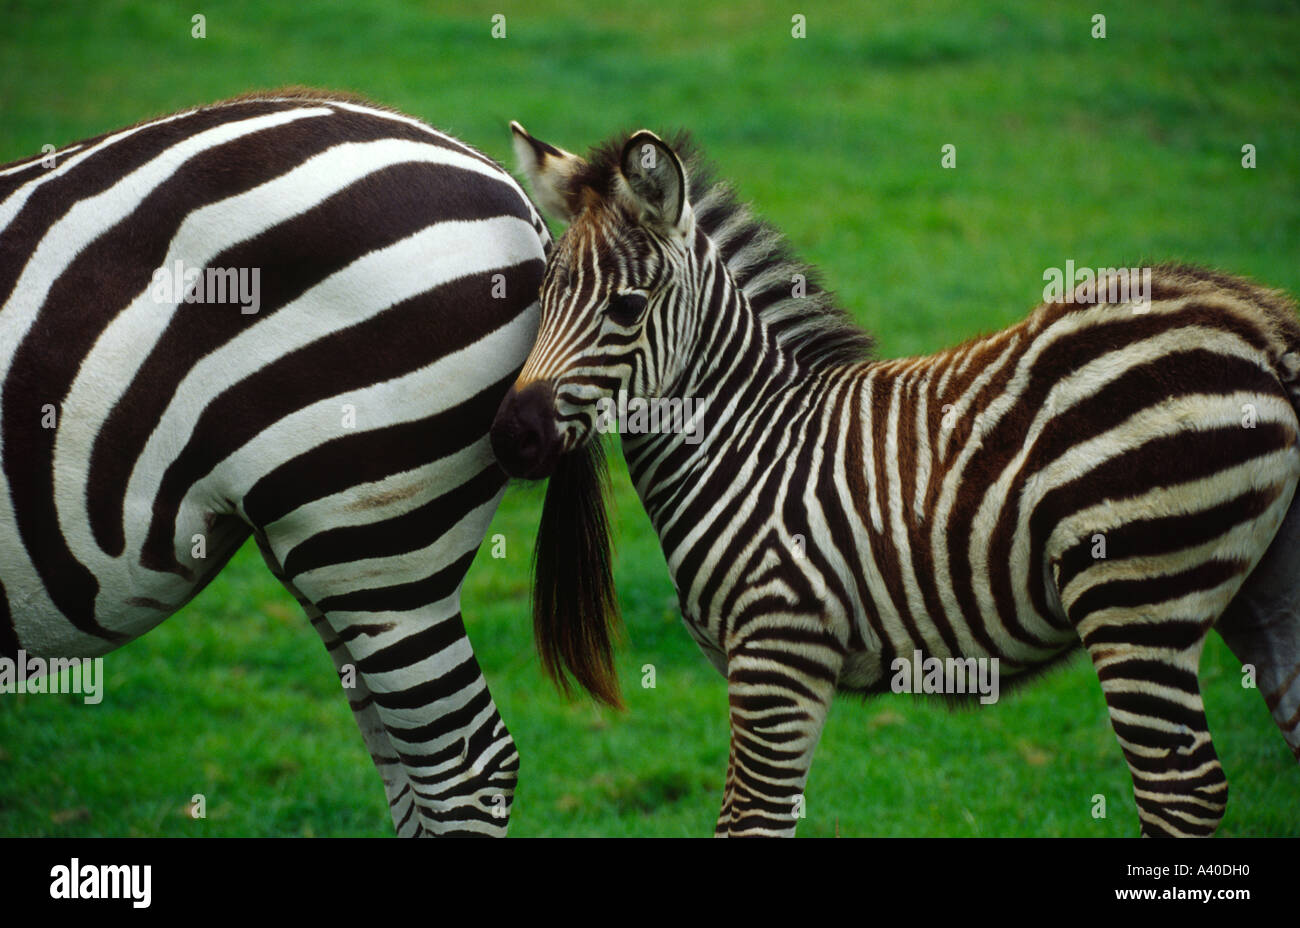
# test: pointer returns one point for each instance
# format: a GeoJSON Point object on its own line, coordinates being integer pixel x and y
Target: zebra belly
{"type": "Point", "coordinates": [877, 670]}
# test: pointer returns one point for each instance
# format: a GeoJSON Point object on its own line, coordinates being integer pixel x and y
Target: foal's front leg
{"type": "Point", "coordinates": [780, 682]}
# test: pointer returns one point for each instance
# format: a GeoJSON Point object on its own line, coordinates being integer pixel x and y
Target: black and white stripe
{"type": "Point", "coordinates": [840, 513]}
{"type": "Point", "coordinates": [343, 425]}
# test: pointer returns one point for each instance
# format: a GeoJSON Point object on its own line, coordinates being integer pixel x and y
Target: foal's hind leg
{"type": "Point", "coordinates": [1144, 616]}
{"type": "Point", "coordinates": [1262, 627]}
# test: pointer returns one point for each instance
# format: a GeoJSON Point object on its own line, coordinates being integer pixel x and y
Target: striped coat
{"type": "Point", "coordinates": [327, 392]}
{"type": "Point", "coordinates": [1113, 472]}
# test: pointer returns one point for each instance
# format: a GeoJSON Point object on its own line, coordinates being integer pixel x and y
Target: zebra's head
{"type": "Point", "coordinates": [615, 298]}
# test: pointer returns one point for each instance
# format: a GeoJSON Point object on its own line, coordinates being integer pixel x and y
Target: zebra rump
{"type": "Point", "coordinates": [290, 316]}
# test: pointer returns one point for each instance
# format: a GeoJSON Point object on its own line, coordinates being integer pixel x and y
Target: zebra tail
{"type": "Point", "coordinates": [575, 610]}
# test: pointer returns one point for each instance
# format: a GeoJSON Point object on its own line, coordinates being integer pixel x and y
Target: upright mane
{"type": "Point", "coordinates": [786, 292]}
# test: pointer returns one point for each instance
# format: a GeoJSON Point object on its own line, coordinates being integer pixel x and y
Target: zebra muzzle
{"type": "Point", "coordinates": [524, 438]}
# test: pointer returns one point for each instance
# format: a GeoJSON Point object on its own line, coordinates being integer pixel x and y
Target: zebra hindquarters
{"type": "Point", "coordinates": [1176, 551]}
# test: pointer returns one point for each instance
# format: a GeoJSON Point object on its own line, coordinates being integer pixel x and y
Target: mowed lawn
{"type": "Point", "coordinates": [1106, 152]}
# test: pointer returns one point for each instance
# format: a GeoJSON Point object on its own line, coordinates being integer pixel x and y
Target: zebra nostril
{"type": "Point", "coordinates": [505, 444]}
{"type": "Point", "coordinates": [523, 434]}
{"type": "Point", "coordinates": [530, 441]}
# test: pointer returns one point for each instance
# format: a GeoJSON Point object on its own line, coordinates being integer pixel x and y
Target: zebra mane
{"type": "Point", "coordinates": [785, 292]}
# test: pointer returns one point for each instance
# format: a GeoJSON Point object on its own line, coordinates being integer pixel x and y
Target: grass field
{"type": "Point", "coordinates": [1104, 151]}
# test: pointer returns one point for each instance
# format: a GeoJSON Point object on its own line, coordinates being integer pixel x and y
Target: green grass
{"type": "Point", "coordinates": [1106, 152]}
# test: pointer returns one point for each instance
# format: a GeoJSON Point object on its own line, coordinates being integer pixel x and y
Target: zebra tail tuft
{"type": "Point", "coordinates": [575, 610]}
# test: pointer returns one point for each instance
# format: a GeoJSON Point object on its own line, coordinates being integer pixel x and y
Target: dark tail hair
{"type": "Point", "coordinates": [574, 606]}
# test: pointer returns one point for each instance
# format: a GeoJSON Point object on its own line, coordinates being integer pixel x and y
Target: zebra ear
{"type": "Point", "coordinates": [548, 170]}
{"type": "Point", "coordinates": [656, 180]}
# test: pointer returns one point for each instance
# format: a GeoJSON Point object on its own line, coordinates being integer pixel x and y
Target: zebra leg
{"type": "Point", "coordinates": [779, 694]}
{"type": "Point", "coordinates": [1144, 620]}
{"type": "Point", "coordinates": [397, 787]}
{"type": "Point", "coordinates": [724, 816]}
{"type": "Point", "coordinates": [454, 771]}
{"type": "Point", "coordinates": [1270, 642]}
{"type": "Point", "coordinates": [1262, 627]}
{"type": "Point", "coordinates": [1148, 677]}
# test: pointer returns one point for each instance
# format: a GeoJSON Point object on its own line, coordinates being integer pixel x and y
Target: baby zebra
{"type": "Point", "coordinates": [834, 513]}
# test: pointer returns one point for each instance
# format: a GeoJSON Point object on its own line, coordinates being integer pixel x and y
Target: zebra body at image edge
{"type": "Point", "coordinates": [341, 419]}
{"type": "Point", "coordinates": [839, 513]}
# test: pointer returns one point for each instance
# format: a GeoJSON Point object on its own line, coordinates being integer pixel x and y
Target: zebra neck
{"type": "Point", "coordinates": [711, 423]}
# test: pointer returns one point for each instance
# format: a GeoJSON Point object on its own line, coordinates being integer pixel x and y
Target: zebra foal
{"type": "Point", "coordinates": [290, 315]}
{"type": "Point", "coordinates": [840, 514]}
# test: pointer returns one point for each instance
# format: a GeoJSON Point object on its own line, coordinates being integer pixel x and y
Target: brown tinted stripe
{"type": "Point", "coordinates": [837, 519]}
{"type": "Point", "coordinates": [1176, 634]}
{"type": "Point", "coordinates": [1145, 670]}
{"type": "Point", "coordinates": [1144, 386]}
{"type": "Point", "coordinates": [1162, 462]}
{"type": "Point", "coordinates": [883, 548]}
{"type": "Point", "coordinates": [1128, 594]}
{"type": "Point", "coordinates": [1005, 439]}
{"type": "Point", "coordinates": [358, 458]}
{"type": "Point", "coordinates": [1165, 535]}
{"type": "Point", "coordinates": [918, 526]}
{"type": "Point", "coordinates": [9, 183]}
{"type": "Point", "coordinates": [412, 530]}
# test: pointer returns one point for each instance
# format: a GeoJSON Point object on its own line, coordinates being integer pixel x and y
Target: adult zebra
{"type": "Point", "coordinates": [840, 513]}
{"type": "Point", "coordinates": [337, 409]}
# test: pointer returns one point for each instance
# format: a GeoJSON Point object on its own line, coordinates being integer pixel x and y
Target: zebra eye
{"type": "Point", "coordinates": [626, 308]}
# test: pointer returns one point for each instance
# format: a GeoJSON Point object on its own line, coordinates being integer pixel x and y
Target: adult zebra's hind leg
{"type": "Point", "coordinates": [397, 788]}
{"type": "Point", "coordinates": [465, 788]}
